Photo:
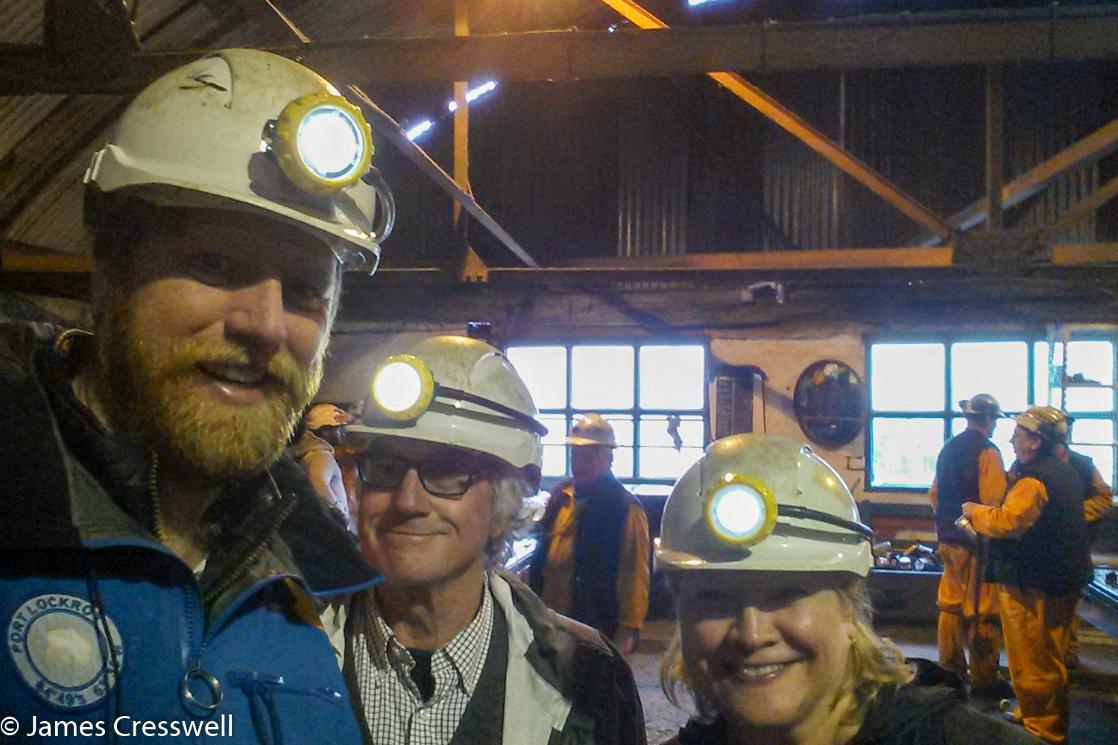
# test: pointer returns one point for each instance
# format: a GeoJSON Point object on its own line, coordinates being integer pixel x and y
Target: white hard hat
{"type": "Point", "coordinates": [592, 429]}
{"type": "Point", "coordinates": [762, 502]}
{"type": "Point", "coordinates": [250, 130]}
{"type": "Point", "coordinates": [457, 391]}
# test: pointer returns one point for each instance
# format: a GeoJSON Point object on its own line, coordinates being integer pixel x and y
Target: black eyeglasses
{"type": "Point", "coordinates": [446, 477]}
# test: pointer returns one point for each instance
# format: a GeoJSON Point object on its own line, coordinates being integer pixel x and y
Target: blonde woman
{"type": "Point", "coordinates": [763, 545]}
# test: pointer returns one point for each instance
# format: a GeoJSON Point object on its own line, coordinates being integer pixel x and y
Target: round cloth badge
{"type": "Point", "coordinates": [68, 652]}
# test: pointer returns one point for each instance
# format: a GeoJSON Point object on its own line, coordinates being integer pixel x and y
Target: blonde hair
{"type": "Point", "coordinates": [876, 665]}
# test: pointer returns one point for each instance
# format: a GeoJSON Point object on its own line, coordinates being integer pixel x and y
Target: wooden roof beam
{"type": "Point", "coordinates": [783, 117]}
{"type": "Point", "coordinates": [394, 133]}
{"type": "Point", "coordinates": [52, 275]}
{"type": "Point", "coordinates": [903, 40]}
{"type": "Point", "coordinates": [18, 257]}
{"type": "Point", "coordinates": [1091, 148]}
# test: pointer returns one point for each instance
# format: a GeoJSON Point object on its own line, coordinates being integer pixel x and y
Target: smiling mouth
{"type": "Point", "coordinates": [408, 533]}
{"type": "Point", "coordinates": [241, 375]}
{"type": "Point", "coordinates": [757, 673]}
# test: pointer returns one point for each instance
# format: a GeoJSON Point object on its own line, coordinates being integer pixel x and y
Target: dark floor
{"type": "Point", "coordinates": [1094, 695]}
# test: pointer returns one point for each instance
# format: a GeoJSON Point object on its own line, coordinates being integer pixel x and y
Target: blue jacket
{"type": "Point", "coordinates": [108, 636]}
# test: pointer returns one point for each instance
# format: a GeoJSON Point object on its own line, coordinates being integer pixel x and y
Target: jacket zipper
{"type": "Point", "coordinates": [220, 588]}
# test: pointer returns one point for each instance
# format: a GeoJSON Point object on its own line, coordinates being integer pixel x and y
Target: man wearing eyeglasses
{"type": "Point", "coordinates": [448, 649]}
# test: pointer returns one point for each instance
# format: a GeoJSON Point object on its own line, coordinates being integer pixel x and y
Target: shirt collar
{"type": "Point", "coordinates": [466, 652]}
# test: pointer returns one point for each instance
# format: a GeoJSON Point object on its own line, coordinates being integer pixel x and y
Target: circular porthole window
{"type": "Point", "coordinates": [830, 402]}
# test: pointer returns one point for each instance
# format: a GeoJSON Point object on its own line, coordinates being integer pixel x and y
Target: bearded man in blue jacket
{"type": "Point", "coordinates": [159, 559]}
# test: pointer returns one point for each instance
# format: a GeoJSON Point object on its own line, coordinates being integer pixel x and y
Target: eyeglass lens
{"type": "Point", "coordinates": [440, 478]}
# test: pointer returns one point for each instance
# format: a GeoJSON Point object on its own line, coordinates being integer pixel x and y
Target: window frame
{"type": "Point", "coordinates": [1029, 337]}
{"type": "Point", "coordinates": [568, 412]}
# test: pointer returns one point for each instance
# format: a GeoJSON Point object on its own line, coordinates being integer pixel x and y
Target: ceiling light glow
{"type": "Point", "coordinates": [419, 129]}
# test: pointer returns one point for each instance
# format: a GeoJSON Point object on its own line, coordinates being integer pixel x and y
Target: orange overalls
{"type": "Point", "coordinates": [968, 607]}
{"type": "Point", "coordinates": [1036, 624]}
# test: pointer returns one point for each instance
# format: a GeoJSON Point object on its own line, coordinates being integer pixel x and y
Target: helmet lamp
{"type": "Point", "coordinates": [740, 510]}
{"type": "Point", "coordinates": [322, 143]}
{"type": "Point", "coordinates": [402, 387]}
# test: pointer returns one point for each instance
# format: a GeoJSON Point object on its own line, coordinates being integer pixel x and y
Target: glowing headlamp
{"type": "Point", "coordinates": [402, 387]}
{"type": "Point", "coordinates": [322, 143]}
{"type": "Point", "coordinates": [740, 510]}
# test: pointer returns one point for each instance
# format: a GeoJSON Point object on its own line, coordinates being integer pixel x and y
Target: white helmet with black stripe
{"type": "Point", "coordinates": [453, 390]}
{"type": "Point", "coordinates": [243, 129]}
{"type": "Point", "coordinates": [762, 502]}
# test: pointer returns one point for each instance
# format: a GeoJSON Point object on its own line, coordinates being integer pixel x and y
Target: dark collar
{"type": "Point", "coordinates": [323, 551]}
{"type": "Point", "coordinates": [603, 482]}
{"type": "Point", "coordinates": [37, 476]}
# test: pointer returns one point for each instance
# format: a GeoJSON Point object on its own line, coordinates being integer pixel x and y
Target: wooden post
{"type": "Point", "coordinates": [995, 145]}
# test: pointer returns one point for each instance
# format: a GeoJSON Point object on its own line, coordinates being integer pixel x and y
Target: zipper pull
{"type": "Point", "coordinates": [209, 680]}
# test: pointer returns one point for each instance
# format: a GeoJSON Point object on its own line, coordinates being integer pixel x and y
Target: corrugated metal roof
{"type": "Point", "coordinates": [54, 218]}
{"type": "Point", "coordinates": [923, 139]}
{"type": "Point", "coordinates": [21, 22]}
{"type": "Point", "coordinates": [61, 132]}
{"type": "Point", "coordinates": [21, 114]}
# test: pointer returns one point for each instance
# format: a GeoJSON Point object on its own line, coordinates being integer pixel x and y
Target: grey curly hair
{"type": "Point", "coordinates": [508, 488]}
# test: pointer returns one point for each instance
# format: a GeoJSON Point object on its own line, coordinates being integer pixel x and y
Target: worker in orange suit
{"type": "Point", "coordinates": [1040, 562]}
{"type": "Point", "coordinates": [969, 468]}
{"type": "Point", "coordinates": [1097, 501]}
{"type": "Point", "coordinates": [593, 561]}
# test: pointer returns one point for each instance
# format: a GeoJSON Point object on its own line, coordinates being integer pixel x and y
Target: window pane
{"type": "Point", "coordinates": [602, 377]}
{"type": "Point", "coordinates": [672, 377]}
{"type": "Point", "coordinates": [1003, 430]}
{"type": "Point", "coordinates": [544, 371]}
{"type": "Point", "coordinates": [659, 458]}
{"type": "Point", "coordinates": [667, 462]}
{"type": "Point", "coordinates": [904, 451]}
{"type": "Point", "coordinates": [554, 460]}
{"type": "Point", "coordinates": [999, 368]}
{"type": "Point", "coordinates": [1090, 361]}
{"type": "Point", "coordinates": [554, 445]}
{"type": "Point", "coordinates": [654, 431]}
{"type": "Point", "coordinates": [1046, 379]}
{"type": "Point", "coordinates": [623, 463]}
{"type": "Point", "coordinates": [650, 490]}
{"type": "Point", "coordinates": [907, 377]}
{"type": "Point", "coordinates": [1100, 432]}
{"type": "Point", "coordinates": [556, 429]}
